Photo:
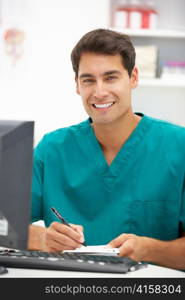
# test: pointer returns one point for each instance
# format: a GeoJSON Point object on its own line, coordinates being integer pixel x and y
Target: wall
{"type": "Point", "coordinates": [166, 103]}
{"type": "Point", "coordinates": [41, 86]}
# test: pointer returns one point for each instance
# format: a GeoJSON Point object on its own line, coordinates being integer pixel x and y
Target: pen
{"type": "Point", "coordinates": [62, 219]}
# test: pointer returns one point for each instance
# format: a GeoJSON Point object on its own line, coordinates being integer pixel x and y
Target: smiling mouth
{"type": "Point", "coordinates": [103, 105]}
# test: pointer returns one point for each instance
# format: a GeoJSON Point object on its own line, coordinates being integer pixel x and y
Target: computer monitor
{"type": "Point", "coordinates": [16, 148]}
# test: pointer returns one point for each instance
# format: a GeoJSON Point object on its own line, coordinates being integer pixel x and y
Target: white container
{"type": "Point", "coordinates": [150, 15]}
{"type": "Point", "coordinates": [121, 15]}
{"type": "Point", "coordinates": [121, 18]}
{"type": "Point", "coordinates": [135, 14]}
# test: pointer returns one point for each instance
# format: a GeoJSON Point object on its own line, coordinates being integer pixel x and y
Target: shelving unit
{"type": "Point", "coordinates": [161, 97]}
{"type": "Point", "coordinates": [158, 33]}
{"type": "Point", "coordinates": [169, 38]}
{"type": "Point", "coordinates": [166, 83]}
{"type": "Point", "coordinates": [144, 36]}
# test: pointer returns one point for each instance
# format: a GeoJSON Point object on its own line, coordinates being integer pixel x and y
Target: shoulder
{"type": "Point", "coordinates": [167, 128]}
{"type": "Point", "coordinates": [60, 137]}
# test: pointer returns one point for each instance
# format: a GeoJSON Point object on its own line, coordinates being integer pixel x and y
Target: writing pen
{"type": "Point", "coordinates": [62, 219]}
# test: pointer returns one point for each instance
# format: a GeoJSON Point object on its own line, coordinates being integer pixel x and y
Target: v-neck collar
{"type": "Point", "coordinates": [110, 172]}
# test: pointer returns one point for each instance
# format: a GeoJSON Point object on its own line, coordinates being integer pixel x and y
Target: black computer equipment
{"type": "Point", "coordinates": [16, 147]}
{"type": "Point", "coordinates": [69, 262]}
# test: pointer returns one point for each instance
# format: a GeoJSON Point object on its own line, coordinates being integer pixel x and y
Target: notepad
{"type": "Point", "coordinates": [95, 250]}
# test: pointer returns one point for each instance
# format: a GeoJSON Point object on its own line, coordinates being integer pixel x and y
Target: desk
{"type": "Point", "coordinates": [149, 272]}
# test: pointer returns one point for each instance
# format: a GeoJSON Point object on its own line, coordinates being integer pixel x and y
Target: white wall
{"type": "Point", "coordinates": [41, 86]}
{"type": "Point", "coordinates": [166, 103]}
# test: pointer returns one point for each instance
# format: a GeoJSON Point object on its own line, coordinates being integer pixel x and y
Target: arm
{"type": "Point", "coordinates": [170, 254]}
{"type": "Point", "coordinates": [57, 237]}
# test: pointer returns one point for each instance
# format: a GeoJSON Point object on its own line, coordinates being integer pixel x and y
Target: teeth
{"type": "Point", "coordinates": [103, 105]}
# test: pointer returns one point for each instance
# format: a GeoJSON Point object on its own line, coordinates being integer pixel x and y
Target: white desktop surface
{"type": "Point", "coordinates": [150, 272]}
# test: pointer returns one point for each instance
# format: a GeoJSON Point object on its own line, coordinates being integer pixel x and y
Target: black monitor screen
{"type": "Point", "coordinates": [16, 148]}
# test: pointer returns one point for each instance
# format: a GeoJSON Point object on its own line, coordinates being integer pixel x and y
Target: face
{"type": "Point", "coordinates": [105, 87]}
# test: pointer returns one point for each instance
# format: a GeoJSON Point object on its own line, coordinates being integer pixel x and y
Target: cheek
{"type": "Point", "coordinates": [120, 91]}
{"type": "Point", "coordinates": [124, 96]}
{"type": "Point", "coordinates": [85, 101]}
{"type": "Point", "coordinates": [119, 88]}
{"type": "Point", "coordinates": [85, 95]}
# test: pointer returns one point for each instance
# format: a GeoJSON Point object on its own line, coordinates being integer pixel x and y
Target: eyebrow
{"type": "Point", "coordinates": [111, 72]}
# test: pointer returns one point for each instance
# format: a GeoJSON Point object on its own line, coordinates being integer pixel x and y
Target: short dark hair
{"type": "Point", "coordinates": [105, 41]}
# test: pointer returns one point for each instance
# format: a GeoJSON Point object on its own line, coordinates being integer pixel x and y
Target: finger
{"type": "Point", "coordinates": [117, 242]}
{"type": "Point", "coordinates": [67, 235]}
{"type": "Point", "coordinates": [65, 240]}
{"type": "Point", "coordinates": [78, 228]}
{"type": "Point", "coordinates": [53, 250]}
{"type": "Point", "coordinates": [55, 246]}
{"type": "Point", "coordinates": [58, 248]}
{"type": "Point", "coordinates": [127, 248]}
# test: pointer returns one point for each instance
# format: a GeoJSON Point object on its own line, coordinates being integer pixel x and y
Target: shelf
{"type": "Point", "coordinates": [157, 82]}
{"type": "Point", "coordinates": [158, 33]}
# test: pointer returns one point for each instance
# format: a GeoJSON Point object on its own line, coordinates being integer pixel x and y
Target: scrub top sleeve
{"type": "Point", "coordinates": [37, 183]}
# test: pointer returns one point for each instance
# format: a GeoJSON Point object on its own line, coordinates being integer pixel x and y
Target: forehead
{"type": "Point", "coordinates": [94, 63]}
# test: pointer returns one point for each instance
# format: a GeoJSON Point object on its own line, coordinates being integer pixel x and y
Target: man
{"type": "Point", "coordinates": [119, 174]}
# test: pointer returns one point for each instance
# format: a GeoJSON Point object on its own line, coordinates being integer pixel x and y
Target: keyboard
{"type": "Point", "coordinates": [68, 261]}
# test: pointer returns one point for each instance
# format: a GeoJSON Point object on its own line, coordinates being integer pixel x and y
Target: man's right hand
{"type": "Point", "coordinates": [55, 238]}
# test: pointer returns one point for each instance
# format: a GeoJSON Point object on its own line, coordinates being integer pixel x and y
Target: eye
{"type": "Point", "coordinates": [88, 81]}
{"type": "Point", "coordinates": [111, 78]}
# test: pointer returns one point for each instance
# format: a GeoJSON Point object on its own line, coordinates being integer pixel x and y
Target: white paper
{"type": "Point", "coordinates": [95, 250]}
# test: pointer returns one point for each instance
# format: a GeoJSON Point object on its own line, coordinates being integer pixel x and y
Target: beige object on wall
{"type": "Point", "coordinates": [146, 60]}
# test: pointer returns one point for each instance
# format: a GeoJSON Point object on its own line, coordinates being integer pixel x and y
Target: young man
{"type": "Point", "coordinates": [120, 175]}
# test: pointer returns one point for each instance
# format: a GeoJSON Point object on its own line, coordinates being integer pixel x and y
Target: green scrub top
{"type": "Point", "coordinates": [141, 192]}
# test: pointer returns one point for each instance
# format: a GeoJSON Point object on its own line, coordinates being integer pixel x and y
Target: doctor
{"type": "Point", "coordinates": [119, 174]}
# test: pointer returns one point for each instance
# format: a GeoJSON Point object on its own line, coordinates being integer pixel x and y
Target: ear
{"type": "Point", "coordinates": [77, 87]}
{"type": "Point", "coordinates": [134, 78]}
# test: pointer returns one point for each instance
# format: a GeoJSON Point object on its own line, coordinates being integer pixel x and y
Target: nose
{"type": "Point", "coordinates": [100, 91]}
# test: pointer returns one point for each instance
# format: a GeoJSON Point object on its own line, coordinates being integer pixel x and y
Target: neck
{"type": "Point", "coordinates": [112, 136]}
